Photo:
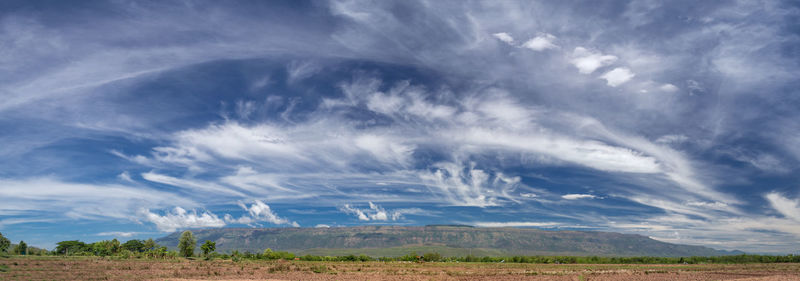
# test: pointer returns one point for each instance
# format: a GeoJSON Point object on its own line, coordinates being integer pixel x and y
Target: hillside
{"type": "Point", "coordinates": [447, 240]}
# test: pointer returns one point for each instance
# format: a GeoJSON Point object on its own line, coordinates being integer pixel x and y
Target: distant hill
{"type": "Point", "coordinates": [448, 240]}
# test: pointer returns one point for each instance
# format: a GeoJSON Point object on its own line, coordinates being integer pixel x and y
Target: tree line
{"type": "Point", "coordinates": [187, 242]}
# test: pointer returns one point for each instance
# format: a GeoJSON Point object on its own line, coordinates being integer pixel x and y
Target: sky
{"type": "Point", "coordinates": [676, 120]}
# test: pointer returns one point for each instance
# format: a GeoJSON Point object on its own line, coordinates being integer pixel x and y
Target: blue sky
{"type": "Point", "coordinates": [133, 119]}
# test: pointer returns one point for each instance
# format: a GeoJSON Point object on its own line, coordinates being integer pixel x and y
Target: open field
{"type": "Point", "coordinates": [94, 268]}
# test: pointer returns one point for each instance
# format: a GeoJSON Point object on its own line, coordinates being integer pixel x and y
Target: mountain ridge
{"type": "Point", "coordinates": [449, 240]}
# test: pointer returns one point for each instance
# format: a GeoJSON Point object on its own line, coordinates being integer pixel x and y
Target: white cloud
{"type": "Point", "coordinates": [669, 88]}
{"type": "Point", "coordinates": [179, 218]}
{"type": "Point", "coordinates": [461, 186]}
{"type": "Point", "coordinates": [259, 212]}
{"type": "Point", "coordinates": [587, 61]}
{"type": "Point", "coordinates": [785, 206]}
{"type": "Point", "coordinates": [322, 226]}
{"type": "Point", "coordinates": [672, 139]}
{"type": "Point", "coordinates": [578, 196]}
{"type": "Point", "coordinates": [118, 234]}
{"type": "Point", "coordinates": [516, 224]}
{"type": "Point", "coordinates": [192, 185]}
{"type": "Point", "coordinates": [52, 198]}
{"type": "Point", "coordinates": [618, 76]}
{"type": "Point", "coordinates": [375, 213]}
{"type": "Point", "coordinates": [541, 42]}
{"type": "Point", "coordinates": [528, 195]}
{"type": "Point", "coordinates": [299, 70]}
{"type": "Point", "coordinates": [710, 205]}
{"type": "Point", "coordinates": [505, 37]}
{"type": "Point", "coordinates": [125, 176]}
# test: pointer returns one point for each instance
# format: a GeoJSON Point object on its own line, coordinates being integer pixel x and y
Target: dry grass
{"type": "Point", "coordinates": [74, 268]}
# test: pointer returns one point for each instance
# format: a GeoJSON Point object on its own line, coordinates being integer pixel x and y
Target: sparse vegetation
{"type": "Point", "coordinates": [105, 268]}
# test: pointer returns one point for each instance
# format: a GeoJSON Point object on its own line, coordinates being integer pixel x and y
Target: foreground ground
{"type": "Point", "coordinates": [59, 268]}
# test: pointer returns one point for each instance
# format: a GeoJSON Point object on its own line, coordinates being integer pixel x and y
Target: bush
{"type": "Point", "coordinates": [432, 257]}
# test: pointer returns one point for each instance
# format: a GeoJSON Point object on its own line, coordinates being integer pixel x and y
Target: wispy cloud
{"type": "Point", "coordinates": [517, 224]}
{"type": "Point", "coordinates": [578, 196]}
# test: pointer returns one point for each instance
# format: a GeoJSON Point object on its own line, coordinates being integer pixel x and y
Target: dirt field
{"type": "Point", "coordinates": [55, 268]}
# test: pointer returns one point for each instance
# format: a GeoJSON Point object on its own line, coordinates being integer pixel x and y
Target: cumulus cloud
{"type": "Point", "coordinates": [618, 76]}
{"type": "Point", "coordinates": [505, 37]}
{"type": "Point", "coordinates": [376, 212]}
{"type": "Point", "coordinates": [578, 196]}
{"type": "Point", "coordinates": [179, 218]}
{"type": "Point", "coordinates": [541, 42]}
{"type": "Point", "coordinates": [669, 88]}
{"type": "Point", "coordinates": [322, 226]}
{"type": "Point", "coordinates": [587, 61]}
{"type": "Point", "coordinates": [259, 212]}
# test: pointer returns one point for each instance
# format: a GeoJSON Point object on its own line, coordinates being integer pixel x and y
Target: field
{"type": "Point", "coordinates": [94, 268]}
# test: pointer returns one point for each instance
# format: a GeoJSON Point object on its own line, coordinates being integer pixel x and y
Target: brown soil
{"type": "Point", "coordinates": [73, 268]}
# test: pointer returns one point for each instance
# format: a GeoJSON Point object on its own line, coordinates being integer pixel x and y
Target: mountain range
{"type": "Point", "coordinates": [447, 240]}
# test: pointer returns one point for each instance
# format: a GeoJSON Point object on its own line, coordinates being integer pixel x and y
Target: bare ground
{"type": "Point", "coordinates": [59, 268]}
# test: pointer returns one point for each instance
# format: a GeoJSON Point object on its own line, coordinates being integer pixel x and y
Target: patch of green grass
{"type": "Point", "coordinates": [3, 268]}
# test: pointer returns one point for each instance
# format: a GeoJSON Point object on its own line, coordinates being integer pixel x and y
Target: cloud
{"type": "Point", "coordinates": [301, 131]}
{"type": "Point", "coordinates": [125, 176]}
{"type": "Point", "coordinates": [711, 205]}
{"type": "Point", "coordinates": [578, 196]}
{"type": "Point", "coordinates": [669, 88]}
{"type": "Point", "coordinates": [672, 139]}
{"type": "Point", "coordinates": [505, 37]}
{"type": "Point", "coordinates": [517, 224]}
{"type": "Point", "coordinates": [179, 218]}
{"type": "Point", "coordinates": [259, 212]}
{"type": "Point", "coordinates": [377, 213]}
{"type": "Point", "coordinates": [587, 61]}
{"type": "Point", "coordinates": [191, 185]}
{"type": "Point", "coordinates": [52, 198]}
{"type": "Point", "coordinates": [541, 42]}
{"type": "Point", "coordinates": [785, 206]}
{"type": "Point", "coordinates": [119, 234]}
{"type": "Point", "coordinates": [618, 76]}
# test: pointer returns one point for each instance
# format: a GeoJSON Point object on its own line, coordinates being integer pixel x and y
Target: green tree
{"type": "Point", "coordinates": [114, 246]}
{"type": "Point", "coordinates": [71, 247]}
{"type": "Point", "coordinates": [186, 244]}
{"type": "Point", "coordinates": [150, 244]}
{"type": "Point", "coordinates": [134, 245]}
{"type": "Point", "coordinates": [22, 248]}
{"type": "Point", "coordinates": [208, 247]}
{"type": "Point", "coordinates": [4, 243]}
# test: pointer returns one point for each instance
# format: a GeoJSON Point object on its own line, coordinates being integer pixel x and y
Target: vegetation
{"type": "Point", "coordinates": [149, 249]}
{"type": "Point", "coordinates": [4, 244]}
{"type": "Point", "coordinates": [21, 249]}
{"type": "Point", "coordinates": [208, 247]}
{"type": "Point", "coordinates": [138, 249]}
{"type": "Point", "coordinates": [186, 244]}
